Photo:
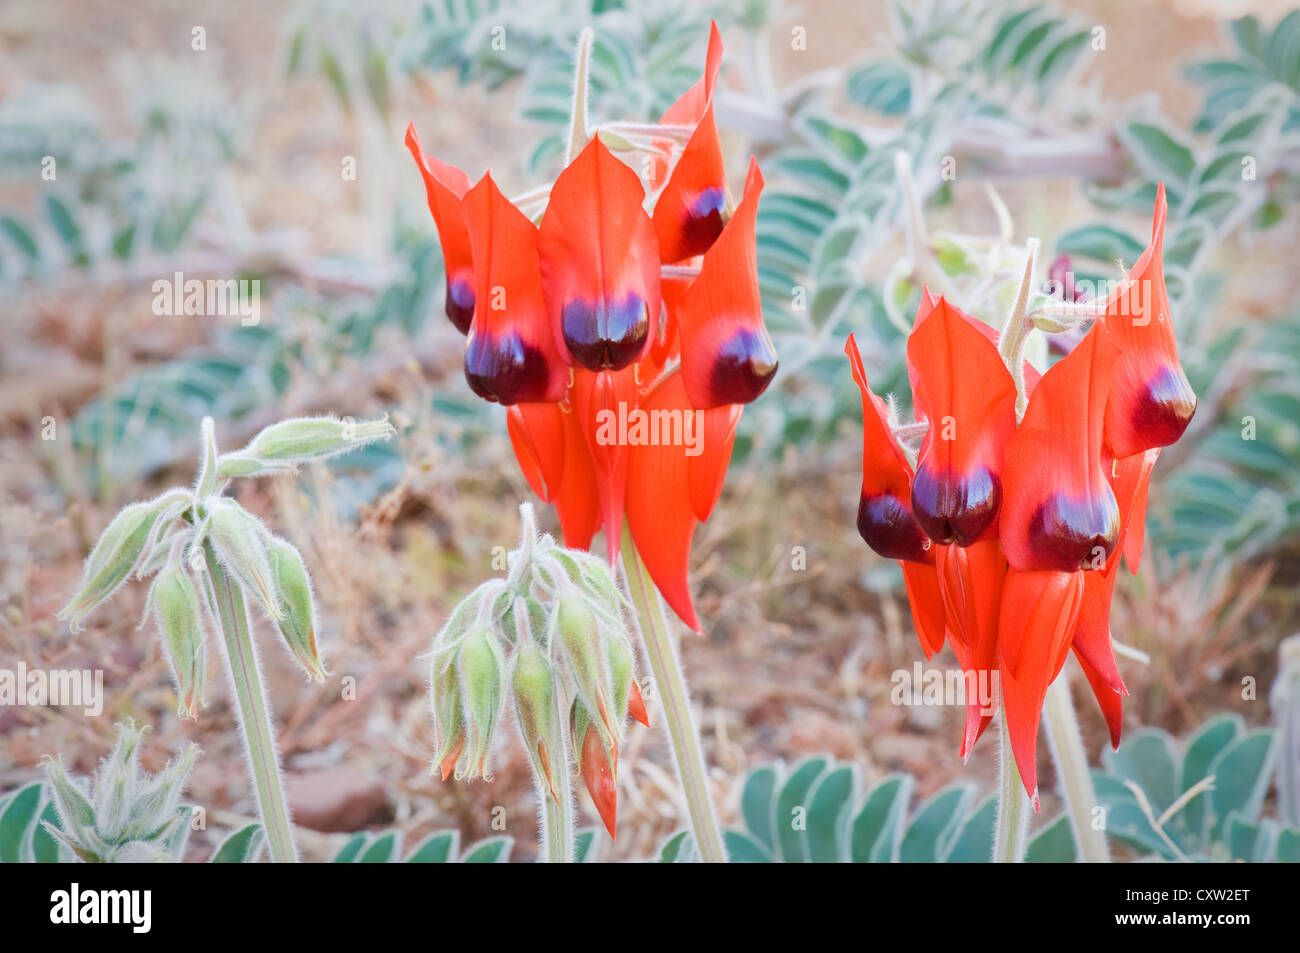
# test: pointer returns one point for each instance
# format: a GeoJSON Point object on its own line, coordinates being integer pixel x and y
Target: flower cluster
{"type": "Point", "coordinates": [620, 325]}
{"type": "Point", "coordinates": [1012, 516]}
{"type": "Point", "coordinates": [181, 536]}
{"type": "Point", "coordinates": [552, 634]}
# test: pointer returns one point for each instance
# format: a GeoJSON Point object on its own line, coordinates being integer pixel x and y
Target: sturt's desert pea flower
{"type": "Point", "coordinates": [445, 186]}
{"type": "Point", "coordinates": [623, 342]}
{"type": "Point", "coordinates": [1010, 531]}
{"type": "Point", "coordinates": [1151, 403]}
{"type": "Point", "coordinates": [692, 203]}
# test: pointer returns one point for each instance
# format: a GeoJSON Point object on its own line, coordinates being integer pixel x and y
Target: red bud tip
{"type": "Point", "coordinates": [598, 771]}
{"type": "Point", "coordinates": [636, 704]}
{"type": "Point", "coordinates": [449, 761]}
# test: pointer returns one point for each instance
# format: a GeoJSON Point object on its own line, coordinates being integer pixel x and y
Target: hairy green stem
{"type": "Point", "coordinates": [671, 684]}
{"type": "Point", "coordinates": [1013, 805]}
{"type": "Point", "coordinates": [254, 711]}
{"type": "Point", "coordinates": [557, 819]}
{"type": "Point", "coordinates": [1066, 744]}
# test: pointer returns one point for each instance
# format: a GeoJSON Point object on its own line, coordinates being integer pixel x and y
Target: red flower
{"type": "Point", "coordinates": [510, 355]}
{"type": "Point", "coordinates": [623, 387]}
{"type": "Point", "coordinates": [1151, 403]}
{"type": "Point", "coordinates": [691, 207]}
{"type": "Point", "coordinates": [446, 186]}
{"type": "Point", "coordinates": [600, 262]}
{"type": "Point", "coordinates": [1010, 534]}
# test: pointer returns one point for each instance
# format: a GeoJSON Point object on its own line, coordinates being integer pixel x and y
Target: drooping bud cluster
{"type": "Point", "coordinates": [124, 816]}
{"type": "Point", "coordinates": [176, 537]}
{"type": "Point", "coordinates": [550, 641]}
{"type": "Point", "coordinates": [628, 291]}
{"type": "Point", "coordinates": [1011, 517]}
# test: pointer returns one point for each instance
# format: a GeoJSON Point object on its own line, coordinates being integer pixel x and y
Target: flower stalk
{"type": "Point", "coordinates": [254, 711]}
{"type": "Point", "coordinates": [652, 622]}
{"type": "Point", "coordinates": [1066, 744]}
{"type": "Point", "coordinates": [1013, 804]}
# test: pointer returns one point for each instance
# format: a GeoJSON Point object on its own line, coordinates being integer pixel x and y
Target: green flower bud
{"type": "Point", "coordinates": [298, 625]}
{"type": "Point", "coordinates": [579, 640]}
{"type": "Point", "coordinates": [175, 604]}
{"type": "Point", "coordinates": [621, 668]}
{"type": "Point", "coordinates": [448, 716]}
{"type": "Point", "coordinates": [482, 669]}
{"type": "Point", "coordinates": [240, 542]}
{"type": "Point", "coordinates": [230, 465]}
{"type": "Point", "coordinates": [155, 811]}
{"type": "Point", "coordinates": [115, 784]}
{"type": "Point", "coordinates": [314, 438]}
{"type": "Point", "coordinates": [532, 683]}
{"type": "Point", "coordinates": [111, 562]}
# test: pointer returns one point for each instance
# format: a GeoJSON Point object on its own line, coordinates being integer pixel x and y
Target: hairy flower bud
{"type": "Point", "coordinates": [621, 664]}
{"type": "Point", "coordinates": [314, 438]}
{"type": "Point", "coordinates": [175, 605]}
{"type": "Point", "coordinates": [448, 716]}
{"type": "Point", "coordinates": [532, 683]}
{"type": "Point", "coordinates": [114, 558]}
{"type": "Point", "coordinates": [482, 669]}
{"type": "Point", "coordinates": [579, 639]}
{"type": "Point", "coordinates": [298, 625]}
{"type": "Point", "coordinates": [240, 542]}
{"type": "Point", "coordinates": [230, 465]}
{"type": "Point", "coordinates": [115, 783]}
{"type": "Point", "coordinates": [598, 762]}
{"type": "Point", "coordinates": [154, 812]}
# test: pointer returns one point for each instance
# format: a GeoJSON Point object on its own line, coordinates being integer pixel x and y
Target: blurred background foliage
{"type": "Point", "coordinates": [1008, 119]}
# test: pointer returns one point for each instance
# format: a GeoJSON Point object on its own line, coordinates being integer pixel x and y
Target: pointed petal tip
{"type": "Point", "coordinates": [636, 704]}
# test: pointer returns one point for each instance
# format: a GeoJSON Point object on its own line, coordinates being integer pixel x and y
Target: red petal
{"type": "Point", "coordinates": [1037, 617]}
{"type": "Point", "coordinates": [578, 500]}
{"type": "Point", "coordinates": [691, 105]}
{"type": "Point", "coordinates": [510, 356]}
{"type": "Point", "coordinates": [689, 211]}
{"type": "Point", "coordinates": [603, 404]}
{"type": "Point", "coordinates": [708, 471]}
{"type": "Point", "coordinates": [537, 436]}
{"type": "Point", "coordinates": [600, 262]}
{"type": "Point", "coordinates": [971, 579]}
{"type": "Point", "coordinates": [929, 300]}
{"type": "Point", "coordinates": [885, 519]}
{"type": "Point", "coordinates": [727, 355]}
{"type": "Point", "coordinates": [1131, 483]}
{"type": "Point", "coordinates": [926, 601]}
{"type": "Point", "coordinates": [445, 185]}
{"type": "Point", "coordinates": [1110, 701]}
{"type": "Point", "coordinates": [963, 388]}
{"type": "Point", "coordinates": [1059, 511]}
{"type": "Point", "coordinates": [1092, 640]}
{"type": "Point", "coordinates": [660, 511]}
{"type": "Point", "coordinates": [1152, 402]}
{"type": "Point", "coordinates": [599, 769]}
